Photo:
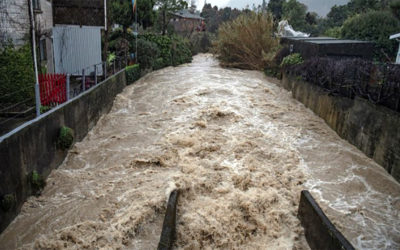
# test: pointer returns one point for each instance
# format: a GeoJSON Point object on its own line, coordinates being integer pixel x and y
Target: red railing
{"type": "Point", "coordinates": [52, 89]}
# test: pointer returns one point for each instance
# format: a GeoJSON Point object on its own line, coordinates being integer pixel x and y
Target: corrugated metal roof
{"type": "Point", "coordinates": [76, 48]}
{"type": "Point", "coordinates": [187, 14]}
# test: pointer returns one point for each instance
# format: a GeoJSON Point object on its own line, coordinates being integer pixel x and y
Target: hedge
{"type": "Point", "coordinates": [16, 75]}
{"type": "Point", "coordinates": [132, 73]}
{"type": "Point", "coordinates": [378, 83]}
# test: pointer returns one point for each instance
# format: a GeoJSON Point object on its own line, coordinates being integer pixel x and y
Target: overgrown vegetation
{"type": "Point", "coordinates": [132, 73]}
{"type": "Point", "coordinates": [148, 52]}
{"type": "Point", "coordinates": [378, 83]}
{"type": "Point", "coordinates": [8, 201]}
{"type": "Point", "coordinates": [374, 26]}
{"type": "Point", "coordinates": [180, 51]}
{"type": "Point", "coordinates": [214, 17]}
{"type": "Point", "coordinates": [65, 138]}
{"type": "Point", "coordinates": [292, 59]}
{"type": "Point", "coordinates": [247, 42]}
{"type": "Point", "coordinates": [16, 75]}
{"type": "Point", "coordinates": [37, 182]}
{"type": "Point", "coordinates": [201, 42]}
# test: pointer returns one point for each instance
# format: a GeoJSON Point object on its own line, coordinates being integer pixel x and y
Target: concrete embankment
{"type": "Point", "coordinates": [32, 147]}
{"type": "Point", "coordinates": [237, 147]}
{"type": "Point", "coordinates": [373, 129]}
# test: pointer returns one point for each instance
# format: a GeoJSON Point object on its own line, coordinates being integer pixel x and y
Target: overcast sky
{"type": "Point", "coordinates": [322, 7]}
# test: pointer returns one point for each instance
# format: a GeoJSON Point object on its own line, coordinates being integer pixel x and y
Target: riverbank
{"type": "Point", "coordinates": [239, 148]}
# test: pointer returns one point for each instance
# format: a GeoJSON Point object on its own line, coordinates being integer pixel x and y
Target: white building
{"type": "Point", "coordinates": [15, 27]}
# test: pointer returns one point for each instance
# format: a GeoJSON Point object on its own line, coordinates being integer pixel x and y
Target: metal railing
{"type": "Point", "coordinates": [20, 106]}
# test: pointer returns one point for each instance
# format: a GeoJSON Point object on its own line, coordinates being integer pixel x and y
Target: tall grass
{"type": "Point", "coordinates": [247, 42]}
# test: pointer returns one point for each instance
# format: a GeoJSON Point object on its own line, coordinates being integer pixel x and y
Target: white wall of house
{"type": "Point", "coordinates": [15, 27]}
{"type": "Point", "coordinates": [76, 48]}
{"type": "Point", "coordinates": [44, 19]}
{"type": "Point", "coordinates": [14, 21]}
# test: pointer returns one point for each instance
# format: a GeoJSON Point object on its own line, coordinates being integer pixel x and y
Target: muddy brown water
{"type": "Point", "coordinates": [238, 147]}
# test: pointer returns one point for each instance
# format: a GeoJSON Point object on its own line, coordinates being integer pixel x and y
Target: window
{"type": "Point", "coordinates": [42, 50]}
{"type": "Point", "coordinates": [36, 4]}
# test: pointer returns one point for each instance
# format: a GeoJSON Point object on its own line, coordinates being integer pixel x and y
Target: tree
{"type": "Point", "coordinates": [337, 15]}
{"type": "Point", "coordinates": [311, 18]}
{"type": "Point", "coordinates": [395, 8]}
{"type": "Point", "coordinates": [121, 12]}
{"type": "Point", "coordinates": [374, 26]}
{"type": "Point", "coordinates": [166, 8]}
{"type": "Point", "coordinates": [295, 13]}
{"type": "Point", "coordinates": [226, 14]}
{"type": "Point", "coordinates": [211, 17]}
{"type": "Point", "coordinates": [276, 8]}
{"type": "Point", "coordinates": [264, 6]}
{"type": "Point", "coordinates": [146, 13]}
{"type": "Point", "coordinates": [361, 6]}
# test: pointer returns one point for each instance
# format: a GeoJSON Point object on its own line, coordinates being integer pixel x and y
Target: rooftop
{"type": "Point", "coordinates": [325, 40]}
{"type": "Point", "coordinates": [187, 14]}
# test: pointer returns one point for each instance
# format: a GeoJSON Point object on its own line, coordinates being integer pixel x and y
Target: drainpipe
{"type": "Point", "coordinates": [37, 93]}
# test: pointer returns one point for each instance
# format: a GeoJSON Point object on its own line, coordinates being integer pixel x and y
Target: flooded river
{"type": "Point", "coordinates": [238, 147]}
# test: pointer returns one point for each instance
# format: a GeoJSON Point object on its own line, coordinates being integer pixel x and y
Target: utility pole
{"type": "Point", "coordinates": [33, 38]}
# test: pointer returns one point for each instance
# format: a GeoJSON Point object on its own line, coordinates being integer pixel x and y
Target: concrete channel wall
{"type": "Point", "coordinates": [32, 146]}
{"type": "Point", "coordinates": [373, 129]}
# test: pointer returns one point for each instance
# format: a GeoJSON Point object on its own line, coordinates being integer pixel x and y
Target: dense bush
{"type": "Point", "coordinates": [248, 42]}
{"type": "Point", "coordinates": [200, 42]}
{"type": "Point", "coordinates": [173, 50]}
{"type": "Point", "coordinates": [132, 73]}
{"type": "Point", "coordinates": [158, 64]}
{"type": "Point", "coordinates": [65, 138]}
{"type": "Point", "coordinates": [180, 51]}
{"type": "Point", "coordinates": [375, 26]}
{"type": "Point", "coordinates": [154, 51]}
{"type": "Point", "coordinates": [148, 52]}
{"type": "Point", "coordinates": [37, 182]}
{"type": "Point", "coordinates": [353, 77]}
{"type": "Point", "coordinates": [163, 43]}
{"type": "Point", "coordinates": [8, 201]}
{"type": "Point", "coordinates": [16, 75]}
{"type": "Point", "coordinates": [292, 59]}
{"type": "Point", "coordinates": [335, 32]}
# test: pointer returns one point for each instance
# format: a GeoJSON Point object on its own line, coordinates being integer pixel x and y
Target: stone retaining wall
{"type": "Point", "coordinates": [373, 129]}
{"type": "Point", "coordinates": [32, 146]}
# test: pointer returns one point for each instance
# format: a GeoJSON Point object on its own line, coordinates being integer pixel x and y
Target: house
{"type": "Point", "coordinates": [15, 27]}
{"type": "Point", "coordinates": [187, 21]}
{"type": "Point", "coordinates": [68, 32]}
{"type": "Point", "coordinates": [77, 35]}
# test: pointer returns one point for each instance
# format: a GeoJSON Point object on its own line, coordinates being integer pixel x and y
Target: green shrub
{"type": "Point", "coordinates": [173, 50]}
{"type": "Point", "coordinates": [247, 42]}
{"type": "Point", "coordinates": [374, 26]}
{"type": "Point", "coordinates": [200, 42]}
{"type": "Point", "coordinates": [148, 52]}
{"type": "Point", "coordinates": [335, 32]}
{"type": "Point", "coordinates": [164, 45]}
{"type": "Point", "coordinates": [159, 64]}
{"type": "Point", "coordinates": [44, 109]}
{"type": "Point", "coordinates": [7, 202]}
{"type": "Point", "coordinates": [65, 138]}
{"type": "Point", "coordinates": [16, 75]}
{"type": "Point", "coordinates": [180, 51]}
{"type": "Point", "coordinates": [37, 182]}
{"type": "Point", "coordinates": [271, 72]}
{"type": "Point", "coordinates": [292, 59]}
{"type": "Point", "coordinates": [132, 73]}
